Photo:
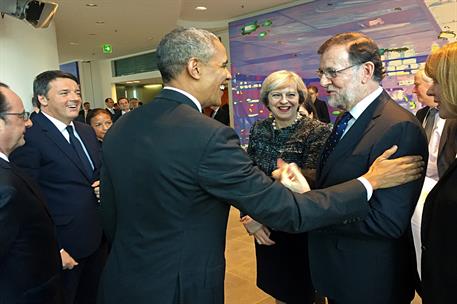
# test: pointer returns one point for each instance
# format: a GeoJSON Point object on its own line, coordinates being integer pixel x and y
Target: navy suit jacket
{"type": "Point", "coordinates": [367, 260]}
{"type": "Point", "coordinates": [166, 209]}
{"type": "Point", "coordinates": [30, 263]}
{"type": "Point", "coordinates": [50, 159]}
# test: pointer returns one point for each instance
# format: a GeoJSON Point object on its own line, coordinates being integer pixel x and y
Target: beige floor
{"type": "Point", "coordinates": [240, 285]}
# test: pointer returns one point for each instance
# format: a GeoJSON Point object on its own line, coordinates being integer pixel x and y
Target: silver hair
{"type": "Point", "coordinates": [179, 46]}
{"type": "Point", "coordinates": [423, 76]}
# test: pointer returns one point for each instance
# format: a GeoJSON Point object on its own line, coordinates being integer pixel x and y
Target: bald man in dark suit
{"type": "Point", "coordinates": [29, 255]}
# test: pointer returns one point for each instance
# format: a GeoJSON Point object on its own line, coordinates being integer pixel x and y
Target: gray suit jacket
{"type": "Point", "coordinates": [165, 208]}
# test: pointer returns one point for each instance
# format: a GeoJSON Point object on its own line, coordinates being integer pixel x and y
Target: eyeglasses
{"type": "Point", "coordinates": [277, 96]}
{"type": "Point", "coordinates": [331, 73]}
{"type": "Point", "coordinates": [24, 115]}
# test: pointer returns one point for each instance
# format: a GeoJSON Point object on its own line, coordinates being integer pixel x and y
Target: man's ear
{"type": "Point", "coordinates": [368, 69]}
{"type": "Point", "coordinates": [194, 68]}
{"type": "Point", "coordinates": [42, 100]}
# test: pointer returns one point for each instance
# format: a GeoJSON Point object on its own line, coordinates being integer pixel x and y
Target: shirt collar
{"type": "Point", "coordinates": [358, 109]}
{"type": "Point", "coordinates": [188, 95]}
{"type": "Point", "coordinates": [59, 125]}
{"type": "Point", "coordinates": [3, 156]}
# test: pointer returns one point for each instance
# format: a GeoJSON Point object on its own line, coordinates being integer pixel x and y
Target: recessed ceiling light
{"type": "Point", "coordinates": [74, 43]}
{"type": "Point", "coordinates": [200, 8]}
{"type": "Point", "coordinates": [91, 5]}
{"type": "Point", "coordinates": [91, 34]}
{"type": "Point", "coordinates": [99, 22]}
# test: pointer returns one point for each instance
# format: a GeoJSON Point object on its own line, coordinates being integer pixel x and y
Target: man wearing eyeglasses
{"type": "Point", "coordinates": [364, 261]}
{"type": "Point", "coordinates": [62, 155]}
{"type": "Point", "coordinates": [29, 254]}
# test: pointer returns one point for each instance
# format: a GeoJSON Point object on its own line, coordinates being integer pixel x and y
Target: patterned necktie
{"type": "Point", "coordinates": [430, 122]}
{"type": "Point", "coordinates": [335, 136]}
{"type": "Point", "coordinates": [75, 143]}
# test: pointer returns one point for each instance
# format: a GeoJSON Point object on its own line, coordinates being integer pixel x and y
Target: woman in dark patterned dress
{"type": "Point", "coordinates": [282, 258]}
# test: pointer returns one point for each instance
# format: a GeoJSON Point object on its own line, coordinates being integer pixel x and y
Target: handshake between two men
{"type": "Point", "coordinates": [383, 173]}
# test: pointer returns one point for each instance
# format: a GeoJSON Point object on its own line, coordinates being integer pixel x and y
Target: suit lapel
{"type": "Point", "coordinates": [33, 188]}
{"type": "Point", "coordinates": [50, 131]}
{"type": "Point", "coordinates": [346, 145]}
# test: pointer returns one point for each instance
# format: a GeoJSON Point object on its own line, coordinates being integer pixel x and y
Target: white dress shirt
{"type": "Point", "coordinates": [3, 156]}
{"type": "Point", "coordinates": [62, 127]}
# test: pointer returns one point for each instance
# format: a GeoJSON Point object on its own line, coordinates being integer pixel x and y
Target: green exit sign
{"type": "Point", "coordinates": [107, 48]}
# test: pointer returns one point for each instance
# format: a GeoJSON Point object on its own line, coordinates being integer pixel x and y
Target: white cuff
{"type": "Point", "coordinates": [367, 186]}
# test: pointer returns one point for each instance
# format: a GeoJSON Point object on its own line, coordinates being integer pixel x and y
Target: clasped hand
{"type": "Point", "coordinates": [290, 176]}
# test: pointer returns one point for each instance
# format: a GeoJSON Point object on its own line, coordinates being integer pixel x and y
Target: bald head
{"type": "Point", "coordinates": [13, 120]}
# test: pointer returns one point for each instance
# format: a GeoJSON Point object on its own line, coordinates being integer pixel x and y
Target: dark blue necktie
{"type": "Point", "coordinates": [80, 152]}
{"type": "Point", "coordinates": [335, 136]}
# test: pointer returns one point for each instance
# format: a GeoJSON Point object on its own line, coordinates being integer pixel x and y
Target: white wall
{"type": "Point", "coordinates": [24, 53]}
{"type": "Point", "coordinates": [98, 83]}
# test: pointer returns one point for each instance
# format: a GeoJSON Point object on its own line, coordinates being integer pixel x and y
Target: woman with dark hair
{"type": "Point", "coordinates": [100, 120]}
{"type": "Point", "coordinates": [439, 228]}
{"type": "Point", "coordinates": [282, 258]}
{"type": "Point", "coordinates": [308, 109]}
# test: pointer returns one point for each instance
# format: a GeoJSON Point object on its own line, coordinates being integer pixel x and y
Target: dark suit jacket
{"type": "Point", "coordinates": [367, 260]}
{"type": "Point", "coordinates": [82, 118]}
{"type": "Point", "coordinates": [29, 256]}
{"type": "Point", "coordinates": [439, 240]}
{"type": "Point", "coordinates": [448, 142]}
{"type": "Point", "coordinates": [223, 115]}
{"type": "Point", "coordinates": [115, 116]}
{"type": "Point", "coordinates": [322, 110]}
{"type": "Point", "coordinates": [51, 161]}
{"type": "Point", "coordinates": [165, 210]}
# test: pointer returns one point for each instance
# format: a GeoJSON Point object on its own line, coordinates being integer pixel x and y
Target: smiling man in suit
{"type": "Point", "coordinates": [366, 260]}
{"type": "Point", "coordinates": [166, 209]}
{"type": "Point", "coordinates": [63, 157]}
{"type": "Point", "coordinates": [29, 255]}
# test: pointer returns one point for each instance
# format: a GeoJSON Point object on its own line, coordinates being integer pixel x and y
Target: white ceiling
{"type": "Point", "coordinates": [137, 25]}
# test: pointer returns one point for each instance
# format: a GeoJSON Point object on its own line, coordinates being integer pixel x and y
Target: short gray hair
{"type": "Point", "coordinates": [179, 46]}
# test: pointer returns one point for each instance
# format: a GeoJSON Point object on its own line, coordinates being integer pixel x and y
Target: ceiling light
{"type": "Point", "coordinates": [91, 5]}
{"type": "Point", "coordinates": [200, 8]}
{"type": "Point", "coordinates": [99, 22]}
{"type": "Point", "coordinates": [152, 86]}
{"type": "Point", "coordinates": [74, 43]}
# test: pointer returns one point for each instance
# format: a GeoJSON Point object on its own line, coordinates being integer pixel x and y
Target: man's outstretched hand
{"type": "Point", "coordinates": [386, 173]}
{"type": "Point", "coordinates": [290, 176]}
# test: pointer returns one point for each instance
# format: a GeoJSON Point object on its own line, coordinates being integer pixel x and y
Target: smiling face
{"type": "Point", "coordinates": [124, 104]}
{"type": "Point", "coordinates": [214, 77]}
{"type": "Point", "coordinates": [283, 104]}
{"type": "Point", "coordinates": [345, 89]}
{"type": "Point", "coordinates": [63, 100]}
{"type": "Point", "coordinates": [12, 127]}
